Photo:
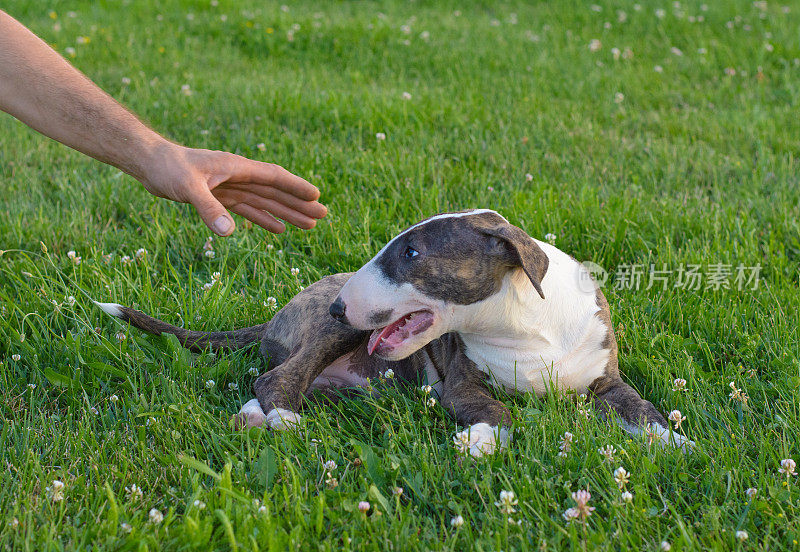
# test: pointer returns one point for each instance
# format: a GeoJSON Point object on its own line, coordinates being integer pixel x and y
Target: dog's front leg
{"type": "Point", "coordinates": [468, 398]}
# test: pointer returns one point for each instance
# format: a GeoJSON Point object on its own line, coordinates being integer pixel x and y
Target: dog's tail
{"type": "Point", "coordinates": [196, 341]}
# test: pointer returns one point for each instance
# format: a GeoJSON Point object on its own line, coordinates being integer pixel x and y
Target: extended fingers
{"type": "Point", "coordinates": [287, 212]}
{"type": "Point", "coordinates": [245, 170]}
{"type": "Point", "coordinates": [311, 209]}
{"type": "Point", "coordinates": [257, 216]}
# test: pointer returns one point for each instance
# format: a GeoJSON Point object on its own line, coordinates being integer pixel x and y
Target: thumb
{"type": "Point", "coordinates": [213, 213]}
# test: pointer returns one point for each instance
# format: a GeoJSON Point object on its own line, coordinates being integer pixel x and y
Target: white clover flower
{"type": "Point", "coordinates": [70, 301]}
{"type": "Point", "coordinates": [730, 71]}
{"type": "Point", "coordinates": [788, 467]}
{"type": "Point", "coordinates": [15, 357]}
{"type": "Point", "coordinates": [621, 476]}
{"type": "Point", "coordinates": [55, 492]}
{"type": "Point", "coordinates": [141, 253]}
{"type": "Point", "coordinates": [737, 394]}
{"type": "Point", "coordinates": [295, 271]}
{"type": "Point", "coordinates": [742, 535]}
{"type": "Point", "coordinates": [113, 398]}
{"type": "Point", "coordinates": [233, 386]}
{"type": "Point", "coordinates": [210, 384]}
{"type": "Point", "coordinates": [456, 522]}
{"type": "Point", "coordinates": [595, 45]}
{"type": "Point", "coordinates": [208, 285]}
{"type": "Point", "coordinates": [397, 491]}
{"type": "Point", "coordinates": [70, 51]}
{"type": "Point", "coordinates": [363, 506]}
{"type": "Point", "coordinates": [31, 386]}
{"type": "Point", "coordinates": [94, 411]}
{"type": "Point", "coordinates": [126, 81]}
{"type": "Point", "coordinates": [665, 546]}
{"type": "Point", "coordinates": [210, 254]}
{"type": "Point", "coordinates": [751, 492]}
{"type": "Point", "coordinates": [619, 97]}
{"type": "Point", "coordinates": [406, 95]}
{"type": "Point", "coordinates": [608, 452]}
{"type": "Point", "coordinates": [389, 373]}
{"type": "Point", "coordinates": [126, 260]}
{"type": "Point", "coordinates": [380, 136]}
{"type": "Point", "coordinates": [134, 492]}
{"type": "Point", "coordinates": [627, 497]}
{"type": "Point", "coordinates": [660, 13]}
{"type": "Point", "coordinates": [676, 51]}
{"type": "Point", "coordinates": [582, 510]}
{"type": "Point", "coordinates": [676, 418]}
{"type": "Point", "coordinates": [616, 52]}
{"type": "Point", "coordinates": [156, 516]}
{"type": "Point", "coordinates": [679, 384]}
{"type": "Point", "coordinates": [199, 504]}
{"type": "Point", "coordinates": [330, 465]}
{"type": "Point", "coordinates": [120, 335]}
{"type": "Point", "coordinates": [426, 389]}
{"type": "Point", "coordinates": [658, 69]}
{"type": "Point", "coordinates": [550, 238]}
{"type": "Point", "coordinates": [209, 244]}
{"type": "Point", "coordinates": [528, 177]}
{"type": "Point", "coordinates": [271, 303]}
{"type": "Point", "coordinates": [74, 257]}
{"type": "Point", "coordinates": [262, 510]}
{"type": "Point", "coordinates": [125, 527]}
{"type": "Point", "coordinates": [566, 444]}
{"type": "Point", "coordinates": [14, 523]}
{"type": "Point", "coordinates": [431, 402]}
{"type": "Point", "coordinates": [507, 502]}
{"type": "Point", "coordinates": [186, 90]}
{"type": "Point", "coordinates": [253, 371]}
{"type": "Point", "coordinates": [461, 441]}
{"type": "Point", "coordinates": [570, 514]}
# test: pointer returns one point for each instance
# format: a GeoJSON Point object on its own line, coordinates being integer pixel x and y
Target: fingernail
{"type": "Point", "coordinates": [223, 225]}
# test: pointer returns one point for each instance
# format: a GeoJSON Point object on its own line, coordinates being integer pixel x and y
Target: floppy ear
{"type": "Point", "coordinates": [523, 251]}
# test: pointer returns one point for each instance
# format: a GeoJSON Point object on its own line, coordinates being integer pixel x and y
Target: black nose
{"type": "Point", "coordinates": [337, 309]}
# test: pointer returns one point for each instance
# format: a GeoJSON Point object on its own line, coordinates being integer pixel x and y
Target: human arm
{"type": "Point", "coordinates": [41, 89]}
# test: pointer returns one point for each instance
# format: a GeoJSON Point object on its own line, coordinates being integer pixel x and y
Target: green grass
{"type": "Point", "coordinates": [693, 166]}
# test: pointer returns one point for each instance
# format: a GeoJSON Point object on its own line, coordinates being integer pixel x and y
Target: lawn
{"type": "Point", "coordinates": [662, 134]}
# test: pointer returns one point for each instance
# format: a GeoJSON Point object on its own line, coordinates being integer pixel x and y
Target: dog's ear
{"type": "Point", "coordinates": [521, 251]}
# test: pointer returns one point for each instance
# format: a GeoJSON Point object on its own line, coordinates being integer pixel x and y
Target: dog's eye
{"type": "Point", "coordinates": [410, 252]}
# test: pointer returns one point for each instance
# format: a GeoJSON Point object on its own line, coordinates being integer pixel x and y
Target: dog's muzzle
{"type": "Point", "coordinates": [338, 309]}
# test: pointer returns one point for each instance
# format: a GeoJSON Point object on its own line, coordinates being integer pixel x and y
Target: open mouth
{"type": "Point", "coordinates": [385, 340]}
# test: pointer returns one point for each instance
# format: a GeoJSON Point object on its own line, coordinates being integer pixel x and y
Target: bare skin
{"type": "Point", "coordinates": [41, 89]}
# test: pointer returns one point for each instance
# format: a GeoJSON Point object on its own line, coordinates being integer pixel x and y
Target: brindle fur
{"type": "Point", "coordinates": [302, 339]}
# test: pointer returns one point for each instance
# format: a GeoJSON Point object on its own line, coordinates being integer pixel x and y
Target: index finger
{"type": "Point", "coordinates": [246, 170]}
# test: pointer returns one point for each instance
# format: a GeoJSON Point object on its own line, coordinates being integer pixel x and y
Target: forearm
{"type": "Point", "coordinates": [39, 87]}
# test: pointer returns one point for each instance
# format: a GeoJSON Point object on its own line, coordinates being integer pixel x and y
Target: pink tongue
{"type": "Point", "coordinates": [393, 335]}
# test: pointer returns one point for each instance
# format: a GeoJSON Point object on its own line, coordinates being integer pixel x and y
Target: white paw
{"type": "Point", "coordinates": [250, 415]}
{"type": "Point", "coordinates": [481, 439]}
{"type": "Point", "coordinates": [281, 419]}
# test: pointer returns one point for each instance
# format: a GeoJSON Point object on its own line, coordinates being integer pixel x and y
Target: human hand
{"type": "Point", "coordinates": [215, 182]}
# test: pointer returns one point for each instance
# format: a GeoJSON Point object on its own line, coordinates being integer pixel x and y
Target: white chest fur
{"type": "Point", "coordinates": [530, 344]}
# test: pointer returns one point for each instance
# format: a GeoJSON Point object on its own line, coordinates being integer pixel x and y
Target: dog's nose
{"type": "Point", "coordinates": [337, 309]}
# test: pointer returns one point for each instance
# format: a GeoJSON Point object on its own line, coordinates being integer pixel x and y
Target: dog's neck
{"type": "Point", "coordinates": [510, 318]}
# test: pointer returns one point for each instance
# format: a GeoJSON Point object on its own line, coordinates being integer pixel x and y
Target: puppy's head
{"type": "Point", "coordinates": [408, 292]}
